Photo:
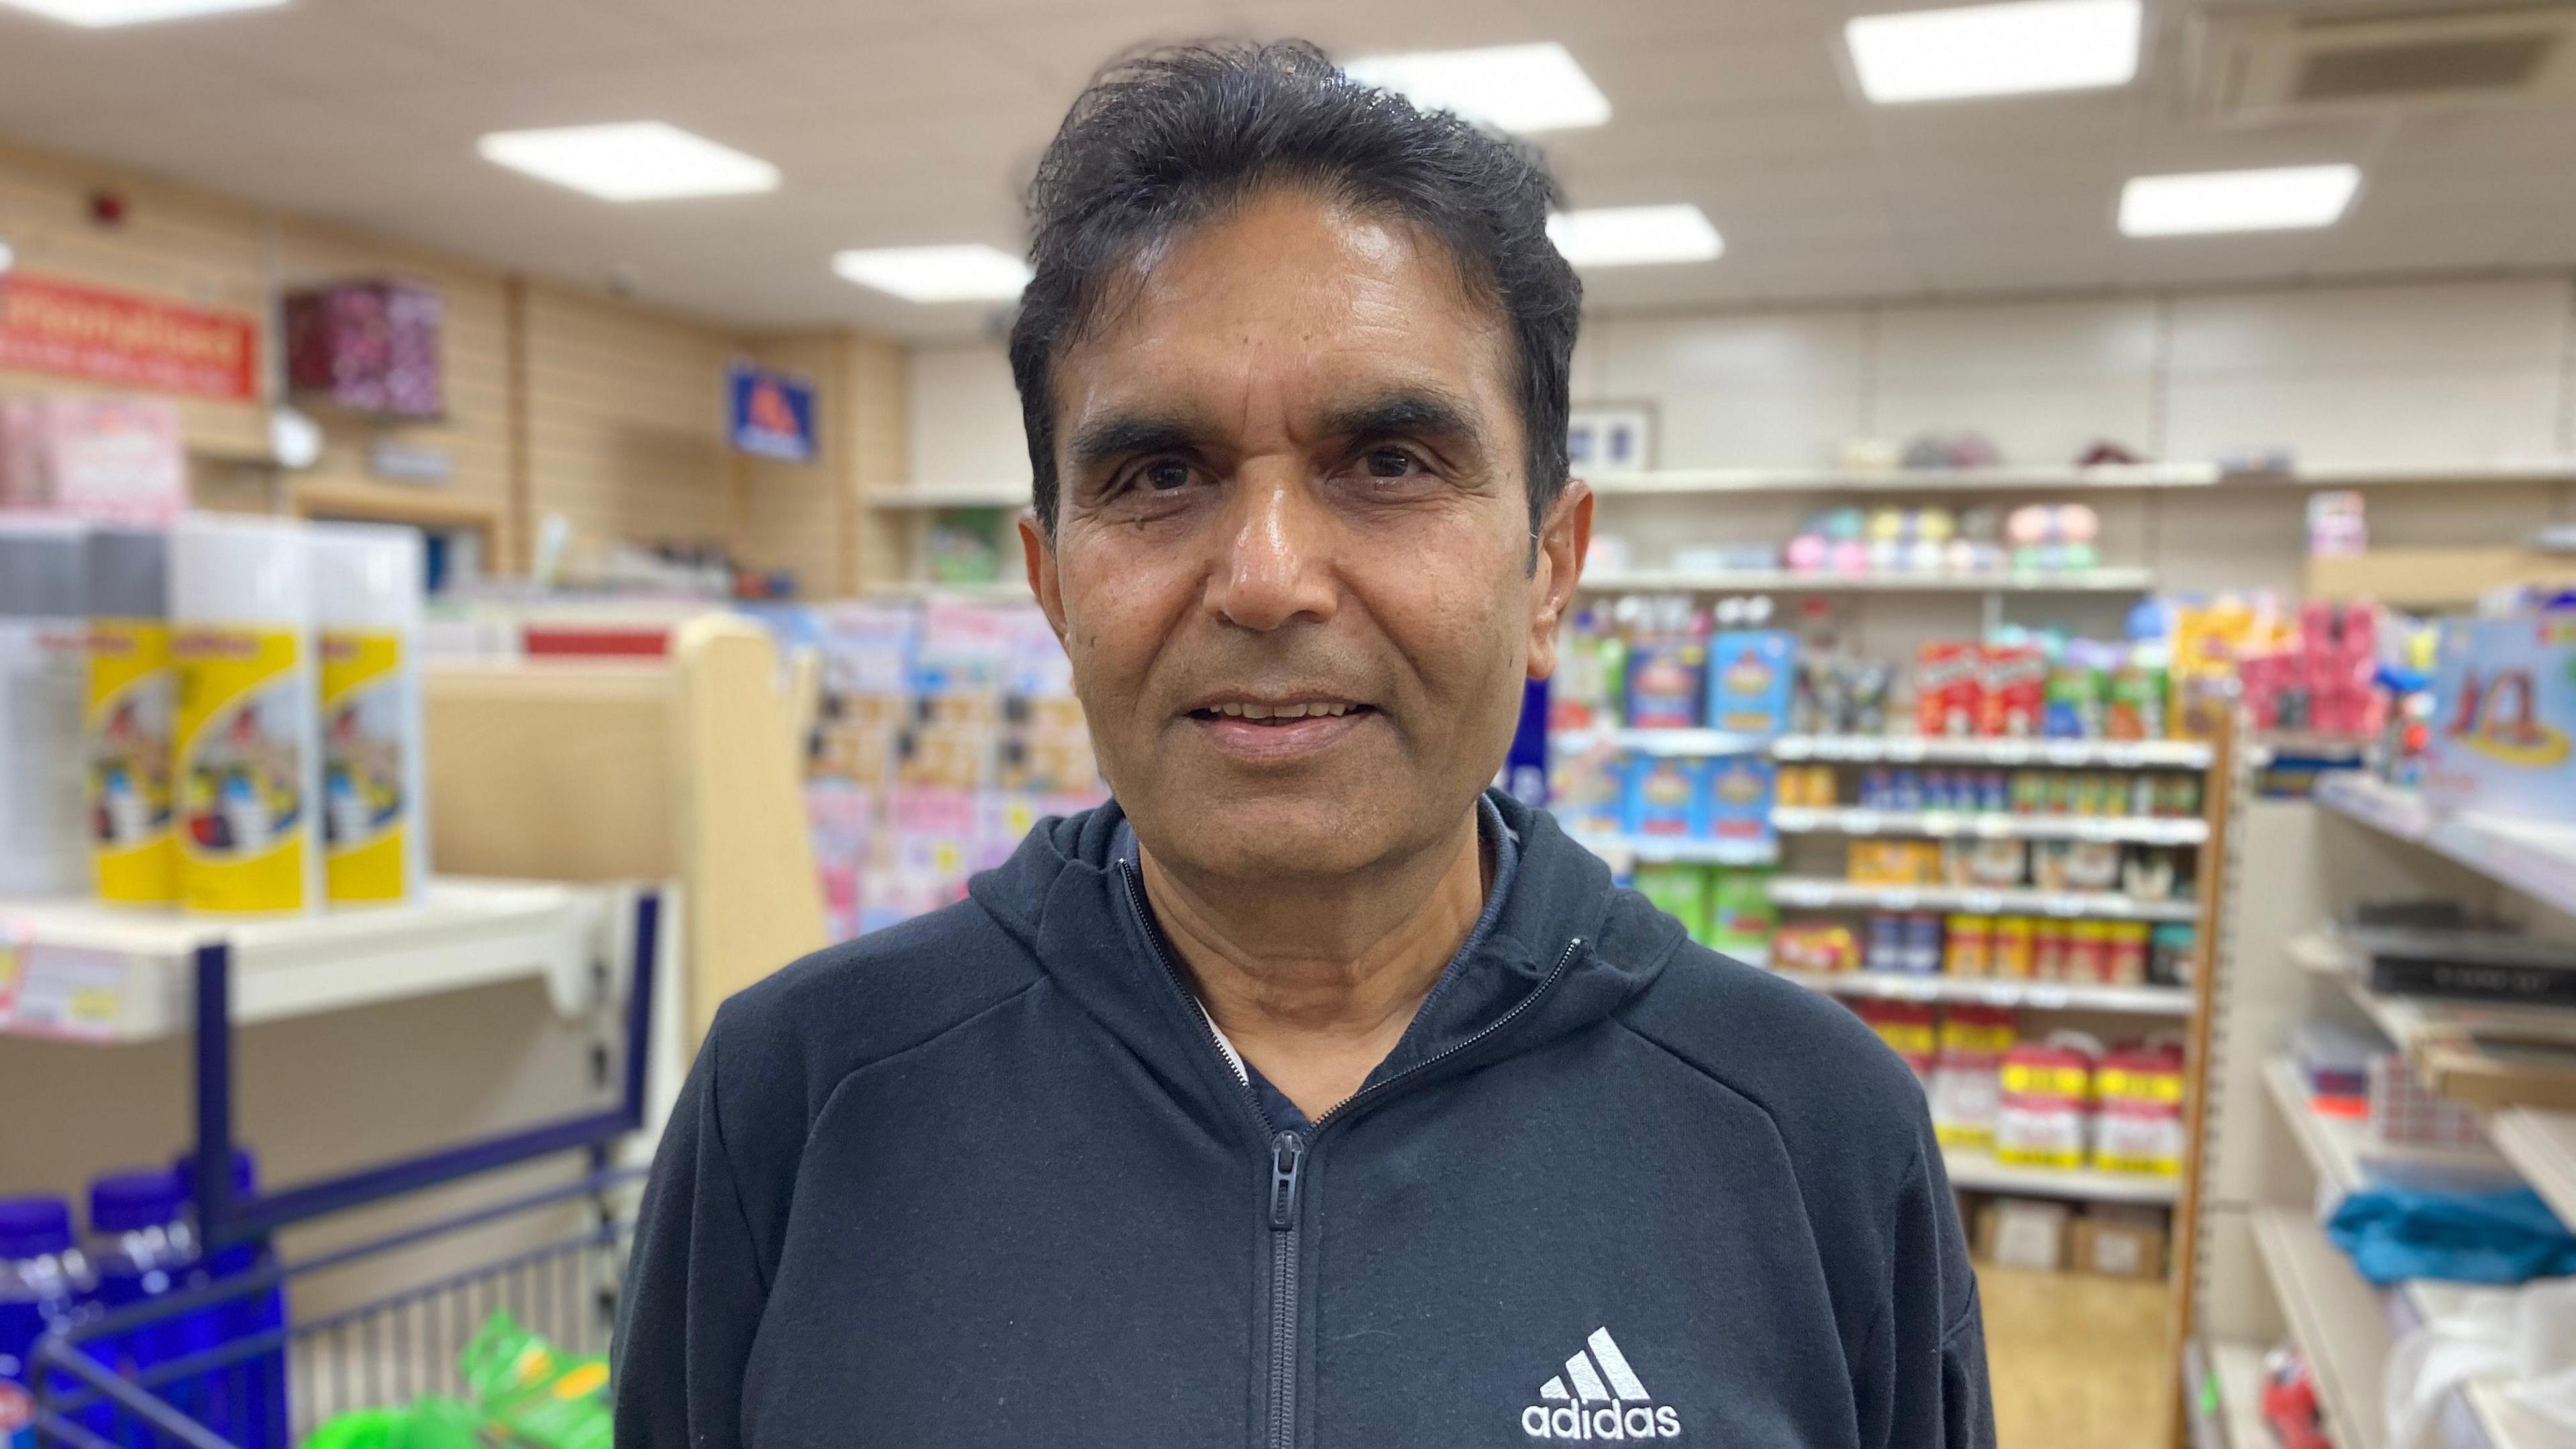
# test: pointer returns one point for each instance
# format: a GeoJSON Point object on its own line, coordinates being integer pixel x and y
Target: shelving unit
{"type": "Point", "coordinates": [2542, 1147]}
{"type": "Point", "coordinates": [1918, 749]}
{"type": "Point", "coordinates": [83, 972]}
{"type": "Point", "coordinates": [1989, 824]}
{"type": "Point", "coordinates": [1662, 850]}
{"type": "Point", "coordinates": [2343, 1152]}
{"type": "Point", "coordinates": [1987, 991]}
{"type": "Point", "coordinates": [1691, 743]}
{"type": "Point", "coordinates": [2234, 1370]}
{"type": "Point", "coordinates": [2534, 857]}
{"type": "Point", "coordinates": [1784, 581]}
{"type": "Point", "coordinates": [1826, 893]}
{"type": "Point", "coordinates": [1975, 1170]}
{"type": "Point", "coordinates": [2335, 1319]}
{"type": "Point", "coordinates": [2105, 477]}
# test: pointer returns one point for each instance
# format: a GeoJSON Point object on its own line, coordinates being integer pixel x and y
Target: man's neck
{"type": "Point", "coordinates": [1314, 986]}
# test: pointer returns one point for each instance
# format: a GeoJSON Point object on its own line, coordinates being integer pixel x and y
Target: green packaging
{"type": "Point", "coordinates": [1681, 892]}
{"type": "Point", "coordinates": [1741, 916]}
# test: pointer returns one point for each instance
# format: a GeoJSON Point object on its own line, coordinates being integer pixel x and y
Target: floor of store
{"type": "Point", "coordinates": [2077, 1359]}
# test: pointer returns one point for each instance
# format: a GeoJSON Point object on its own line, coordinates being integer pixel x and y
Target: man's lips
{"type": "Point", "coordinates": [1277, 731]}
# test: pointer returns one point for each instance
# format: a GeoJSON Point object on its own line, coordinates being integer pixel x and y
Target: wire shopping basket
{"type": "Point", "coordinates": [270, 1385]}
{"type": "Point", "coordinates": [256, 1353]}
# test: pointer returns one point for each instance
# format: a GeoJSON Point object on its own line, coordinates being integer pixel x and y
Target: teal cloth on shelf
{"type": "Point", "coordinates": [2509, 1236]}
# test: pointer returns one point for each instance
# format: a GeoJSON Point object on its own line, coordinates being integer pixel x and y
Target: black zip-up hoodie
{"type": "Point", "coordinates": [985, 1178]}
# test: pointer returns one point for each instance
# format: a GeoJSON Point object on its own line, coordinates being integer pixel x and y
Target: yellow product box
{"type": "Point", "coordinates": [245, 741]}
{"type": "Point", "coordinates": [368, 817]}
{"type": "Point", "coordinates": [125, 750]}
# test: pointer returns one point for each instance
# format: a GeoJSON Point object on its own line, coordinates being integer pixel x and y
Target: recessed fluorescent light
{"type": "Point", "coordinates": [630, 161]}
{"type": "Point", "coordinates": [1509, 87]}
{"type": "Point", "coordinates": [1628, 236]}
{"type": "Point", "coordinates": [972, 273]}
{"type": "Point", "coordinates": [97, 14]}
{"type": "Point", "coordinates": [2278, 199]}
{"type": "Point", "coordinates": [1994, 50]}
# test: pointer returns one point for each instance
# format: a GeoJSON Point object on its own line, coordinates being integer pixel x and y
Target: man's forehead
{"type": "Point", "coordinates": [1300, 301]}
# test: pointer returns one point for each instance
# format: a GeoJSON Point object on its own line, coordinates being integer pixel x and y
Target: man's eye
{"type": "Point", "coordinates": [1165, 476]}
{"type": "Point", "coordinates": [1390, 463]}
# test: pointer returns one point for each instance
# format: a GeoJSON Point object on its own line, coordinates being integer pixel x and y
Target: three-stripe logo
{"type": "Point", "coordinates": [1598, 1397]}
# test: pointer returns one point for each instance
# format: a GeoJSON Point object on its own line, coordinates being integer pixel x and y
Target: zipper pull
{"type": "Point", "coordinates": [1287, 1164]}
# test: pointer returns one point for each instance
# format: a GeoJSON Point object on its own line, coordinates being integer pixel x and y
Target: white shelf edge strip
{"type": "Point", "coordinates": [1993, 991]}
{"type": "Point", "coordinates": [1909, 749]}
{"type": "Point", "coordinates": [1991, 825]}
{"type": "Point", "coordinates": [1822, 893]}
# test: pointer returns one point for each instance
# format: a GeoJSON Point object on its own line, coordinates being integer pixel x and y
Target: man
{"type": "Point", "coordinates": [1308, 1095]}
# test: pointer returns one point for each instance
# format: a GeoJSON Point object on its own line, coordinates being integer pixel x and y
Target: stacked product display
{"type": "Point", "coordinates": [947, 730]}
{"type": "Point", "coordinates": [222, 714]}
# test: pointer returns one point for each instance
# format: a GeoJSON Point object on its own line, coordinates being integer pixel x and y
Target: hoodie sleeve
{"type": "Point", "coordinates": [695, 1287]}
{"type": "Point", "coordinates": [1922, 1380]}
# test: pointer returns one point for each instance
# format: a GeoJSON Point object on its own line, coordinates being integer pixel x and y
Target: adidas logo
{"type": "Point", "coordinates": [1606, 1401]}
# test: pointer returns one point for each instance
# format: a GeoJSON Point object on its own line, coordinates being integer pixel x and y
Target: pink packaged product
{"type": "Point", "coordinates": [2012, 691]}
{"type": "Point", "coordinates": [2402, 1111]}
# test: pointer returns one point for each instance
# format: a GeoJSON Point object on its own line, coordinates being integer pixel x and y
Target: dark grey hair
{"type": "Point", "coordinates": [1172, 137]}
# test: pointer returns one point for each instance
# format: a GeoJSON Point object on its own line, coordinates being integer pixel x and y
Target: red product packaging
{"type": "Point", "coordinates": [1947, 692]}
{"type": "Point", "coordinates": [2012, 687]}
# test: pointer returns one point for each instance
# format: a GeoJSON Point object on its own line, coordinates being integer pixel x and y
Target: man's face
{"type": "Point", "coordinates": [1291, 562]}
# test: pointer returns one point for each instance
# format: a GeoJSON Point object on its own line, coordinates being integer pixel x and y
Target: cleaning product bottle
{"type": "Point", "coordinates": [244, 1402]}
{"type": "Point", "coordinates": [43, 664]}
{"type": "Point", "coordinates": [126, 737]}
{"type": "Point", "coordinates": [141, 1248]}
{"type": "Point", "coordinates": [366, 605]}
{"type": "Point", "coordinates": [248, 767]}
{"type": "Point", "coordinates": [43, 1279]}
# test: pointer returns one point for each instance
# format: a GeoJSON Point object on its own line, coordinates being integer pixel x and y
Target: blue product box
{"type": "Point", "coordinates": [1665, 681]}
{"type": "Point", "coordinates": [1739, 790]}
{"type": "Point", "coordinates": [1751, 673]}
{"type": "Point", "coordinates": [2504, 703]}
{"type": "Point", "coordinates": [1589, 792]}
{"type": "Point", "coordinates": [1668, 797]}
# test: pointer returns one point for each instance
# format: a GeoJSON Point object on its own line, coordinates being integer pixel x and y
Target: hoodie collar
{"type": "Point", "coordinates": [1561, 928]}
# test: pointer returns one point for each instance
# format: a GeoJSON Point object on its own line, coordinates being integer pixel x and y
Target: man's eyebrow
{"type": "Point", "coordinates": [1406, 413]}
{"type": "Point", "coordinates": [1126, 435]}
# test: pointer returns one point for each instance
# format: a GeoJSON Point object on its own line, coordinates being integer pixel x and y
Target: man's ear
{"type": "Point", "coordinates": [1039, 553]}
{"type": "Point", "coordinates": [1563, 538]}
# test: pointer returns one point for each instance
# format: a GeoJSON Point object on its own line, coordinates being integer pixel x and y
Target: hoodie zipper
{"type": "Point", "coordinates": [1288, 1153]}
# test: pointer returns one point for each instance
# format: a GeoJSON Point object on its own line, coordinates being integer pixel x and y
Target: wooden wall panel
{"type": "Point", "coordinates": [622, 405]}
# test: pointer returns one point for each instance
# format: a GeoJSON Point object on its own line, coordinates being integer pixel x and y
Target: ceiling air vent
{"type": "Point", "coordinates": [2277, 63]}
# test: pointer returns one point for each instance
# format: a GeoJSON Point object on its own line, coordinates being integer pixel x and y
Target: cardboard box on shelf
{"type": "Point", "coordinates": [2118, 1244]}
{"type": "Point", "coordinates": [2504, 705]}
{"type": "Point", "coordinates": [2015, 1232]}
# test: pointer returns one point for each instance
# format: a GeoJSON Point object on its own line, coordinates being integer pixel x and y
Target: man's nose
{"type": "Point", "coordinates": [1276, 568]}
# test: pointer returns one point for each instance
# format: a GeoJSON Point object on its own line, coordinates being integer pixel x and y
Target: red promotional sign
{"type": "Point", "coordinates": [126, 340]}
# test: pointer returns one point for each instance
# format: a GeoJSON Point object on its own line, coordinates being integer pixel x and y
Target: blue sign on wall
{"type": "Point", "coordinates": [771, 414]}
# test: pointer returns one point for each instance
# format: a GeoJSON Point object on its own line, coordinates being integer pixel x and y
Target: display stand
{"type": "Point", "coordinates": [2273, 1164]}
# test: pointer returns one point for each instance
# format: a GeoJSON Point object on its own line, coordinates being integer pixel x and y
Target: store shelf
{"type": "Point", "coordinates": [2337, 1320]}
{"type": "Point", "coordinates": [83, 972]}
{"type": "Point", "coordinates": [1826, 894]}
{"type": "Point", "coordinates": [2409, 1020]}
{"type": "Point", "coordinates": [1991, 991]}
{"type": "Point", "coordinates": [2534, 857]}
{"type": "Point", "coordinates": [2342, 1151]}
{"type": "Point", "coordinates": [1918, 749]}
{"type": "Point", "coordinates": [948, 495]}
{"type": "Point", "coordinates": [2235, 1371]}
{"type": "Point", "coordinates": [1783, 581]}
{"type": "Point", "coordinates": [1660, 742]}
{"type": "Point", "coordinates": [2542, 1147]}
{"type": "Point", "coordinates": [1665, 850]}
{"type": "Point", "coordinates": [1973, 1170]}
{"type": "Point", "coordinates": [1990, 824]}
{"type": "Point", "coordinates": [2042, 478]}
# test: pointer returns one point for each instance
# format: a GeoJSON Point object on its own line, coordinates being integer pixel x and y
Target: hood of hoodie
{"type": "Point", "coordinates": [1568, 949]}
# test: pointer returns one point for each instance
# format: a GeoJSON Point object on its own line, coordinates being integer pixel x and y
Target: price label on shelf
{"type": "Point", "coordinates": [1994, 827]}
{"type": "Point", "coordinates": [1905, 751]}
{"type": "Point", "coordinates": [62, 991]}
{"type": "Point", "coordinates": [1981, 903]}
{"type": "Point", "coordinates": [1942, 822]}
{"type": "Point", "coordinates": [1861, 822]}
{"type": "Point", "coordinates": [1902, 900]}
{"type": "Point", "coordinates": [2010, 754]}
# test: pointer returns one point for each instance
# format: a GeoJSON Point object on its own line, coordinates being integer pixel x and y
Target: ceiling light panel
{"type": "Point", "coordinates": [2280, 198]}
{"type": "Point", "coordinates": [99, 14]}
{"type": "Point", "coordinates": [630, 161]}
{"type": "Point", "coordinates": [970, 273]}
{"type": "Point", "coordinates": [1520, 88]}
{"type": "Point", "coordinates": [1630, 236]}
{"type": "Point", "coordinates": [1994, 50]}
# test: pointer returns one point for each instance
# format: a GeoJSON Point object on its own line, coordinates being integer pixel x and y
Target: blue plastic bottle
{"type": "Point", "coordinates": [42, 1281]}
{"type": "Point", "coordinates": [245, 1402]}
{"type": "Point", "coordinates": [141, 1248]}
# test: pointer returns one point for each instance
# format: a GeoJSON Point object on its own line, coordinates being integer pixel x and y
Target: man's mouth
{"type": "Point", "coordinates": [1286, 712]}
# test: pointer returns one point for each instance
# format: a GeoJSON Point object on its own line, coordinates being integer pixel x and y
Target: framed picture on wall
{"type": "Point", "coordinates": [1610, 438]}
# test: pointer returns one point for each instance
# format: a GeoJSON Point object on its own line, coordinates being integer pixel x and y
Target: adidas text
{"type": "Point", "coordinates": [1598, 1397]}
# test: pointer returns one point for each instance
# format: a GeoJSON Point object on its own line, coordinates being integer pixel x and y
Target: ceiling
{"type": "Point", "coordinates": [913, 123]}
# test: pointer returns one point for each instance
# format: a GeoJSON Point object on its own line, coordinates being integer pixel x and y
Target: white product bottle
{"type": "Point", "coordinates": [248, 772]}
{"type": "Point", "coordinates": [367, 599]}
{"type": "Point", "coordinates": [44, 673]}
